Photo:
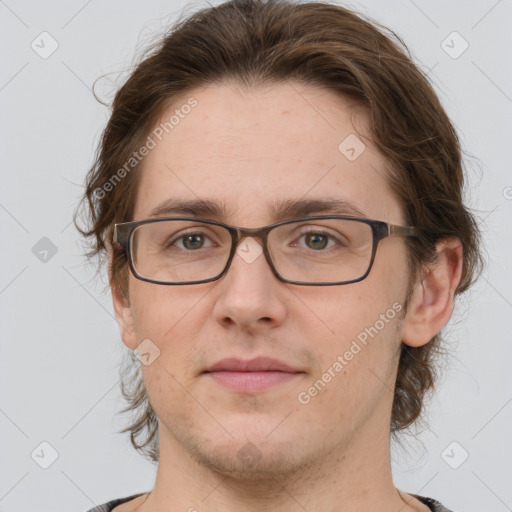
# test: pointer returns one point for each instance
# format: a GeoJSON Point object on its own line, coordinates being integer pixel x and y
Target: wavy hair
{"type": "Point", "coordinates": [257, 42]}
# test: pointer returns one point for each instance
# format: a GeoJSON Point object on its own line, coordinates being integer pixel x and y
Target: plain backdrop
{"type": "Point", "coordinates": [60, 346]}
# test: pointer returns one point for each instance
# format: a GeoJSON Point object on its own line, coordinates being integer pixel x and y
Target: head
{"type": "Point", "coordinates": [248, 104]}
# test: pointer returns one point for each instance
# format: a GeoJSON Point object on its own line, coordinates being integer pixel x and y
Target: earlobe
{"type": "Point", "coordinates": [431, 303]}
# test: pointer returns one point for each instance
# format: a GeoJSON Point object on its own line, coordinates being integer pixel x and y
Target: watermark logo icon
{"type": "Point", "coordinates": [351, 147]}
{"type": "Point", "coordinates": [249, 249]}
{"type": "Point", "coordinates": [454, 45]}
{"type": "Point", "coordinates": [249, 454]}
{"type": "Point", "coordinates": [44, 250]}
{"type": "Point", "coordinates": [44, 455]}
{"type": "Point", "coordinates": [44, 45]}
{"type": "Point", "coordinates": [454, 455]}
{"type": "Point", "coordinates": [147, 352]}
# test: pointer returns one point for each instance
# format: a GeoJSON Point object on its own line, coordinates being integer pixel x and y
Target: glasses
{"type": "Point", "coordinates": [320, 250]}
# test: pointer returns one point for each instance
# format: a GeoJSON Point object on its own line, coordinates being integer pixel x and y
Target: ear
{"type": "Point", "coordinates": [122, 309]}
{"type": "Point", "coordinates": [431, 304]}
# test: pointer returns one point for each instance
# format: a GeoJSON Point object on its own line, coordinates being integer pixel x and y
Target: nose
{"type": "Point", "coordinates": [250, 296]}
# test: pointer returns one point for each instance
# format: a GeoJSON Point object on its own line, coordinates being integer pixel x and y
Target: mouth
{"type": "Point", "coordinates": [250, 376]}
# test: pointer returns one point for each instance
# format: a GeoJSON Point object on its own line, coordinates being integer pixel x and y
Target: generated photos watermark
{"type": "Point", "coordinates": [152, 141]}
{"type": "Point", "coordinates": [304, 397]}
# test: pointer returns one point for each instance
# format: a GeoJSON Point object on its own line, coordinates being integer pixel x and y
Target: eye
{"type": "Point", "coordinates": [318, 240]}
{"type": "Point", "coordinates": [190, 241]}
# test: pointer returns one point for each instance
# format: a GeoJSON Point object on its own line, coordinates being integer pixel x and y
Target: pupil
{"type": "Point", "coordinates": [315, 238]}
{"type": "Point", "coordinates": [193, 241]}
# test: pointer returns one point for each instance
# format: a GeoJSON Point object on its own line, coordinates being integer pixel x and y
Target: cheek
{"type": "Point", "coordinates": [168, 318]}
{"type": "Point", "coordinates": [346, 313]}
{"type": "Point", "coordinates": [167, 394]}
{"type": "Point", "coordinates": [159, 310]}
{"type": "Point", "coordinates": [360, 326]}
{"type": "Point", "coordinates": [171, 319]}
{"type": "Point", "coordinates": [356, 367]}
{"type": "Point", "coordinates": [376, 304]}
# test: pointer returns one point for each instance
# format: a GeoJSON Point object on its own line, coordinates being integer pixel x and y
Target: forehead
{"type": "Point", "coordinates": [252, 149]}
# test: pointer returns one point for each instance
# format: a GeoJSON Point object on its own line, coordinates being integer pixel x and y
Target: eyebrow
{"type": "Point", "coordinates": [278, 210]}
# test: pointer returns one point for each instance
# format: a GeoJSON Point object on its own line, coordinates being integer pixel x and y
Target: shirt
{"type": "Point", "coordinates": [434, 505]}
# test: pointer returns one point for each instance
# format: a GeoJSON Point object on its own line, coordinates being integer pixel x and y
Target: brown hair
{"type": "Point", "coordinates": [257, 42]}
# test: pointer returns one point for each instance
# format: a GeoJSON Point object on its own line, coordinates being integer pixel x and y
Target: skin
{"type": "Point", "coordinates": [247, 149]}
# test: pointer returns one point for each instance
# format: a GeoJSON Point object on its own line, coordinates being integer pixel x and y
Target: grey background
{"type": "Point", "coordinates": [60, 347]}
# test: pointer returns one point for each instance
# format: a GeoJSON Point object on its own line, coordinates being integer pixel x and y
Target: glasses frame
{"type": "Point", "coordinates": [123, 235]}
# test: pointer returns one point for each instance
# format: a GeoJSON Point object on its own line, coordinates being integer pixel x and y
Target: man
{"type": "Point", "coordinates": [276, 362]}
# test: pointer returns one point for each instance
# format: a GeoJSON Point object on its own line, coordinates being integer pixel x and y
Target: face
{"type": "Point", "coordinates": [247, 151]}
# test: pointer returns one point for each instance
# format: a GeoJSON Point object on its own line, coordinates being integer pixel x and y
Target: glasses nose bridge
{"type": "Point", "coordinates": [240, 233]}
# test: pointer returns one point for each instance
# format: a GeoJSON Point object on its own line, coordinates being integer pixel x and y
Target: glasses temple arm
{"type": "Point", "coordinates": [394, 230]}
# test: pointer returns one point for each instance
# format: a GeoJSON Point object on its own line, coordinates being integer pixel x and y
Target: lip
{"type": "Point", "coordinates": [249, 376]}
{"type": "Point", "coordinates": [258, 364]}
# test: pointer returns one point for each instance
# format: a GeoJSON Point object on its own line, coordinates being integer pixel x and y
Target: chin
{"type": "Point", "coordinates": [253, 462]}
{"type": "Point", "coordinates": [254, 452]}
